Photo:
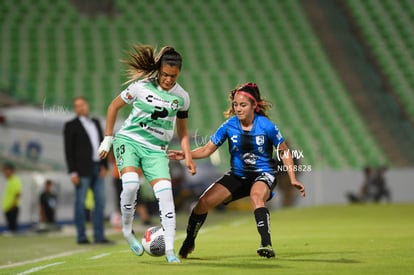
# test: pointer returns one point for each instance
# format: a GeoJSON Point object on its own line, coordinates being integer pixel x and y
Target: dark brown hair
{"type": "Point", "coordinates": [251, 90]}
{"type": "Point", "coordinates": [143, 61]}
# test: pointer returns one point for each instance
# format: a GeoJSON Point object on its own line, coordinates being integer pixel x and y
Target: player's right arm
{"type": "Point", "coordinates": [198, 153]}
{"type": "Point", "coordinates": [209, 148]}
{"type": "Point", "coordinates": [204, 151]}
{"type": "Point", "coordinates": [111, 115]}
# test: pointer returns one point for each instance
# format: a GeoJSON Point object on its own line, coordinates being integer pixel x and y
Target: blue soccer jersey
{"type": "Point", "coordinates": [251, 151]}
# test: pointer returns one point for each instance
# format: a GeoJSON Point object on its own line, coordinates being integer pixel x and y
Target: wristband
{"type": "Point", "coordinates": [105, 144]}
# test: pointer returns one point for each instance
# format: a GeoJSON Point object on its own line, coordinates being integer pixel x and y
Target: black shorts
{"type": "Point", "coordinates": [239, 187]}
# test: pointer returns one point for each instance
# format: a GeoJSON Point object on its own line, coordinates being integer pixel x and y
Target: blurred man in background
{"type": "Point", "coordinates": [82, 136]}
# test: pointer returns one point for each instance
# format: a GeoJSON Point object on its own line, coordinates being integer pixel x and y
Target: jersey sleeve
{"type": "Point", "coordinates": [183, 111]}
{"type": "Point", "coordinates": [129, 95]}
{"type": "Point", "coordinates": [219, 137]}
{"type": "Point", "coordinates": [186, 105]}
{"type": "Point", "coordinates": [275, 135]}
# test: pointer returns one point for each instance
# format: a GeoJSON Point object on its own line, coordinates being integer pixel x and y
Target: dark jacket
{"type": "Point", "coordinates": [78, 148]}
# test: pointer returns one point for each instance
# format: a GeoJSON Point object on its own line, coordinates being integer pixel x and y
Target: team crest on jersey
{"type": "Point", "coordinates": [260, 140]}
{"type": "Point", "coordinates": [174, 104]}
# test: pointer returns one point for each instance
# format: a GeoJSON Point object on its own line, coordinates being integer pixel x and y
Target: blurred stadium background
{"type": "Point", "coordinates": [339, 73]}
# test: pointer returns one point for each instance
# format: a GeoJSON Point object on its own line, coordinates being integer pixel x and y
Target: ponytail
{"type": "Point", "coordinates": [143, 61]}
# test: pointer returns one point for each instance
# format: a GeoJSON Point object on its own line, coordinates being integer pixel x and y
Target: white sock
{"type": "Point", "coordinates": [130, 186]}
{"type": "Point", "coordinates": [163, 192]}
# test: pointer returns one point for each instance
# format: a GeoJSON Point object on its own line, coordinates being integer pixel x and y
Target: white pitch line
{"type": "Point", "coordinates": [35, 269]}
{"type": "Point", "coordinates": [99, 256]}
{"type": "Point", "coordinates": [69, 253]}
{"type": "Point", "coordinates": [238, 223]}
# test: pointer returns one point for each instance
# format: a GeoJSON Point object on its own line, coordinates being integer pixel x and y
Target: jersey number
{"type": "Point", "coordinates": [120, 150]}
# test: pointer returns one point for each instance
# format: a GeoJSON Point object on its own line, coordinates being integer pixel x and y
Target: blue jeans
{"type": "Point", "coordinates": [96, 183]}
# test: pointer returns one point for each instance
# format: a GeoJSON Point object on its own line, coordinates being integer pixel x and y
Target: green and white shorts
{"type": "Point", "coordinates": [154, 164]}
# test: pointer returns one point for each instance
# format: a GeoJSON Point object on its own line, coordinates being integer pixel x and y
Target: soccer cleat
{"type": "Point", "coordinates": [171, 257]}
{"type": "Point", "coordinates": [266, 251]}
{"type": "Point", "coordinates": [186, 249]}
{"type": "Point", "coordinates": [135, 245]}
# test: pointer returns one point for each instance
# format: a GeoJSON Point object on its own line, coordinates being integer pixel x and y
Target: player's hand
{"type": "Point", "coordinates": [191, 166]}
{"type": "Point", "coordinates": [105, 146]}
{"type": "Point", "coordinates": [176, 155]}
{"type": "Point", "coordinates": [300, 187]}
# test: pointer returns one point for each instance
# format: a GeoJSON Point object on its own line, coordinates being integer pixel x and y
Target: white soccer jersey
{"type": "Point", "coordinates": [152, 119]}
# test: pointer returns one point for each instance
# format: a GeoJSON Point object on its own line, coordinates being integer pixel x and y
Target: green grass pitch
{"type": "Point", "coordinates": [357, 239]}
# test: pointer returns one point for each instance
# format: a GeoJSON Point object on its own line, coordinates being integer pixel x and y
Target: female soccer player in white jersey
{"type": "Point", "coordinates": [252, 138]}
{"type": "Point", "coordinates": [158, 104]}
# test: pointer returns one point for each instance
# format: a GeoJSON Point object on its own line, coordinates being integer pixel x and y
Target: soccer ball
{"type": "Point", "coordinates": [153, 241]}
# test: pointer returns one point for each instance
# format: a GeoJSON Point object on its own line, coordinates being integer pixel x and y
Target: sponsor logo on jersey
{"type": "Point", "coordinates": [143, 125]}
{"type": "Point", "coordinates": [249, 158]}
{"type": "Point", "coordinates": [159, 112]}
{"type": "Point", "coordinates": [151, 129]}
{"type": "Point", "coordinates": [152, 98]}
{"type": "Point", "coordinates": [129, 96]}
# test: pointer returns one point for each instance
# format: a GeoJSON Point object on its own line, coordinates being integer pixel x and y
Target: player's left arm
{"type": "Point", "coordinates": [288, 162]}
{"type": "Point", "coordinates": [182, 133]}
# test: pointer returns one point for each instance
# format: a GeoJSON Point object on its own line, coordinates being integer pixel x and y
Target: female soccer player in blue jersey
{"type": "Point", "coordinates": [158, 104]}
{"type": "Point", "coordinates": [252, 138]}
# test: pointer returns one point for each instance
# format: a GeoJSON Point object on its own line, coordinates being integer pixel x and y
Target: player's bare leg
{"type": "Point", "coordinates": [258, 195]}
{"type": "Point", "coordinates": [212, 197]}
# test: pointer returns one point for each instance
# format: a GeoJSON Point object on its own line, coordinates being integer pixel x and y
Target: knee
{"type": "Point", "coordinates": [203, 205]}
{"type": "Point", "coordinates": [256, 200]}
{"type": "Point", "coordinates": [130, 182]}
{"type": "Point", "coordinates": [130, 188]}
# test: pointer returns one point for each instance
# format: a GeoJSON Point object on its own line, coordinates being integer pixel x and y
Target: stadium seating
{"type": "Point", "coordinates": [388, 26]}
{"type": "Point", "coordinates": [52, 52]}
